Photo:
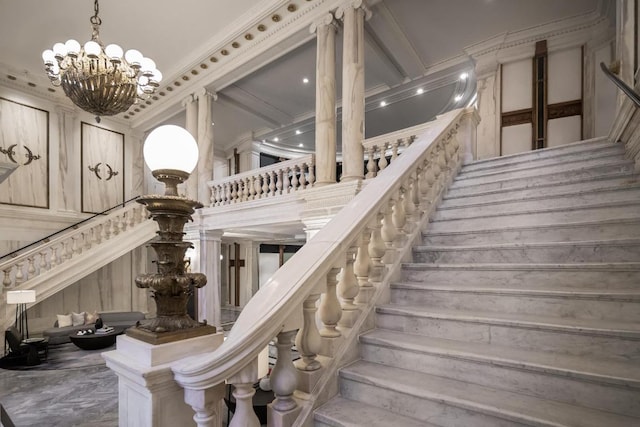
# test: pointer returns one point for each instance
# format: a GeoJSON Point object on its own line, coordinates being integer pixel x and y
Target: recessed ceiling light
{"type": "Point", "coordinates": [276, 139]}
{"type": "Point", "coordinates": [305, 80]}
{"type": "Point", "coordinates": [420, 91]}
{"type": "Point", "coordinates": [298, 132]}
{"type": "Point", "coordinates": [458, 98]}
{"type": "Point", "coordinates": [464, 76]}
{"type": "Point", "coordinates": [300, 145]}
{"type": "Point", "coordinates": [213, 124]}
{"type": "Point", "coordinates": [383, 103]}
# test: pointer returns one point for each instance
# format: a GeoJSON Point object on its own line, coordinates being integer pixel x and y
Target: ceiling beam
{"type": "Point", "coordinates": [240, 98]}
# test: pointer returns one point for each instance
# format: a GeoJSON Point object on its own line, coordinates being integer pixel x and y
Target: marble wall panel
{"type": "Point", "coordinates": [565, 75]}
{"type": "Point", "coordinates": [24, 140]}
{"type": "Point", "coordinates": [102, 166]}
{"type": "Point", "coordinates": [517, 81]}
{"type": "Point", "coordinates": [563, 131]}
{"type": "Point", "coordinates": [516, 139]}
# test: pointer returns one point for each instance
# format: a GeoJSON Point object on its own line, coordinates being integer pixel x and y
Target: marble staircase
{"type": "Point", "coordinates": [521, 306]}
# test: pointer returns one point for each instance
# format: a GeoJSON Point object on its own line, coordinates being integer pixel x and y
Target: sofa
{"type": "Point", "coordinates": [125, 319]}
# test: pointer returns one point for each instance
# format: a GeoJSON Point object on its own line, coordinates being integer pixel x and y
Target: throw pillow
{"type": "Point", "coordinates": [90, 318]}
{"type": "Point", "coordinates": [64, 320]}
{"type": "Point", "coordinates": [77, 318]}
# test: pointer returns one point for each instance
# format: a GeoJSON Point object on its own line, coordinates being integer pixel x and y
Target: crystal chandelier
{"type": "Point", "coordinates": [100, 80]}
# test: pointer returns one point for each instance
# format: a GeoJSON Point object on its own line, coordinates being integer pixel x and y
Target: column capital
{"type": "Point", "coordinates": [188, 100]}
{"type": "Point", "coordinates": [324, 20]}
{"type": "Point", "coordinates": [201, 93]}
{"type": "Point", "coordinates": [353, 4]}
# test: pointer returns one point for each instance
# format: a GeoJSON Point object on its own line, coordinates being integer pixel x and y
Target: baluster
{"type": "Point", "coordinates": [312, 173]}
{"type": "Point", "coordinates": [86, 236]}
{"type": "Point", "coordinates": [234, 191]}
{"type": "Point", "coordinates": [308, 340]}
{"type": "Point", "coordinates": [43, 261]}
{"type": "Point", "coordinates": [132, 218]}
{"type": "Point", "coordinates": [348, 285]}
{"type": "Point", "coordinates": [31, 268]}
{"type": "Point", "coordinates": [377, 250]}
{"type": "Point", "coordinates": [114, 226]}
{"type": "Point", "coordinates": [97, 233]}
{"type": "Point", "coordinates": [251, 182]}
{"type": "Point", "coordinates": [409, 205]}
{"type": "Point", "coordinates": [362, 268]}
{"type": "Point", "coordinates": [6, 281]}
{"type": "Point", "coordinates": [68, 249]}
{"type": "Point", "coordinates": [257, 187]}
{"type": "Point", "coordinates": [330, 310]}
{"type": "Point", "coordinates": [245, 189]}
{"type": "Point", "coordinates": [371, 164]}
{"type": "Point", "coordinates": [303, 178]}
{"type": "Point", "coordinates": [294, 178]}
{"type": "Point", "coordinates": [75, 248]}
{"type": "Point", "coordinates": [122, 222]}
{"type": "Point", "coordinates": [19, 277]}
{"type": "Point", "coordinates": [279, 181]}
{"type": "Point", "coordinates": [382, 162]}
{"type": "Point", "coordinates": [399, 215]}
{"type": "Point", "coordinates": [265, 185]}
{"type": "Point", "coordinates": [272, 183]}
{"type": "Point", "coordinates": [388, 233]}
{"type": "Point", "coordinates": [106, 229]}
{"type": "Point", "coordinates": [244, 416]}
{"type": "Point", "coordinates": [284, 379]}
{"type": "Point", "coordinates": [54, 257]}
{"type": "Point", "coordinates": [206, 405]}
{"type": "Point", "coordinates": [394, 149]}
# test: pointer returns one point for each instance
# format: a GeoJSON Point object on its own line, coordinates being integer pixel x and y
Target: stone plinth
{"type": "Point", "coordinates": [148, 394]}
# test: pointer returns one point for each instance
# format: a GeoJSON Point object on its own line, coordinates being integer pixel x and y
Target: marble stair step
{"type": "Point", "coordinates": [552, 189]}
{"type": "Point", "coordinates": [599, 151]}
{"type": "Point", "coordinates": [535, 170]}
{"type": "Point", "coordinates": [571, 232]}
{"type": "Point", "coordinates": [617, 305]}
{"type": "Point", "coordinates": [574, 276]}
{"type": "Point", "coordinates": [340, 412]}
{"type": "Point", "coordinates": [596, 338]}
{"type": "Point", "coordinates": [568, 149]}
{"type": "Point", "coordinates": [542, 216]}
{"type": "Point", "coordinates": [520, 203]}
{"type": "Point", "coordinates": [617, 169]}
{"type": "Point", "coordinates": [449, 402]}
{"type": "Point", "coordinates": [623, 250]}
{"type": "Point", "coordinates": [602, 384]}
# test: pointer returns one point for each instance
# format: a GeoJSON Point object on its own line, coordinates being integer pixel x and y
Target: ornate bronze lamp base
{"type": "Point", "coordinates": [171, 287]}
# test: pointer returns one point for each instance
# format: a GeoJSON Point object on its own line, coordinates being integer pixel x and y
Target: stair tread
{"type": "Point", "coordinates": [620, 221]}
{"type": "Point", "coordinates": [618, 294]}
{"type": "Point", "coordinates": [499, 403]}
{"type": "Point", "coordinates": [594, 266]}
{"type": "Point", "coordinates": [603, 370]}
{"type": "Point", "coordinates": [340, 412]}
{"type": "Point", "coordinates": [527, 245]}
{"type": "Point", "coordinates": [564, 324]}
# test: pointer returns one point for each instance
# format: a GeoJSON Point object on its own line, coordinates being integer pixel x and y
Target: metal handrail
{"type": "Point", "coordinates": [45, 239]}
{"type": "Point", "coordinates": [633, 95]}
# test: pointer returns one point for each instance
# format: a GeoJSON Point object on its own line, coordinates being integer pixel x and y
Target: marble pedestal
{"type": "Point", "coordinates": [149, 396]}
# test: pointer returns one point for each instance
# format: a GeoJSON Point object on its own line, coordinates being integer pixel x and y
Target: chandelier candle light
{"type": "Point", "coordinates": [100, 80]}
{"type": "Point", "coordinates": [171, 153]}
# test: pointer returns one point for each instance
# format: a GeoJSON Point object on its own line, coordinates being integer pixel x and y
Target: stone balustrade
{"type": "Point", "coordinates": [281, 178]}
{"type": "Point", "coordinates": [346, 266]}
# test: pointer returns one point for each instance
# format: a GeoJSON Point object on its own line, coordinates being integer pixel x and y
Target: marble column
{"type": "Point", "coordinates": [209, 296]}
{"type": "Point", "coordinates": [205, 144]}
{"type": "Point", "coordinates": [353, 15]}
{"type": "Point", "coordinates": [191, 125]}
{"type": "Point", "coordinates": [488, 75]}
{"type": "Point", "coordinates": [325, 30]}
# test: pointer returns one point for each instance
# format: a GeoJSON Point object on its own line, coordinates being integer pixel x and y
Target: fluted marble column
{"type": "Point", "coordinates": [205, 144]}
{"type": "Point", "coordinates": [191, 185]}
{"type": "Point", "coordinates": [353, 15]}
{"type": "Point", "coordinates": [325, 30]}
{"type": "Point", "coordinates": [209, 296]}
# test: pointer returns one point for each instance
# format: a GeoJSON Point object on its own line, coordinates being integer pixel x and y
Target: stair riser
{"type": "Point", "coordinates": [536, 218]}
{"type": "Point", "coordinates": [576, 344]}
{"type": "Point", "coordinates": [580, 149]}
{"type": "Point", "coordinates": [575, 201]}
{"type": "Point", "coordinates": [478, 169]}
{"type": "Point", "coordinates": [525, 278]}
{"type": "Point", "coordinates": [548, 254]}
{"type": "Point", "coordinates": [530, 171]}
{"type": "Point", "coordinates": [458, 189]}
{"type": "Point", "coordinates": [422, 409]}
{"type": "Point", "coordinates": [548, 386]}
{"type": "Point", "coordinates": [533, 305]}
{"type": "Point", "coordinates": [629, 230]}
{"type": "Point", "coordinates": [539, 192]}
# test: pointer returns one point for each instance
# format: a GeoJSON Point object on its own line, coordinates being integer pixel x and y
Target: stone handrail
{"type": "Point", "coordinates": [61, 249]}
{"type": "Point", "coordinates": [365, 242]}
{"type": "Point", "coordinates": [280, 178]}
{"type": "Point", "coordinates": [379, 148]}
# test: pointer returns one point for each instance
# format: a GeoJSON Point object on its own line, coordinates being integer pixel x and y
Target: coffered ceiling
{"type": "Point", "coordinates": [255, 54]}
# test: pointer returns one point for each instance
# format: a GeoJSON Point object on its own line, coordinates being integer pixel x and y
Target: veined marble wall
{"type": "Point", "coordinates": [102, 168]}
{"type": "Point", "coordinates": [24, 140]}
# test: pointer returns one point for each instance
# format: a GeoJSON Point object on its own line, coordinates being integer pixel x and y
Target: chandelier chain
{"type": "Point", "coordinates": [95, 22]}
